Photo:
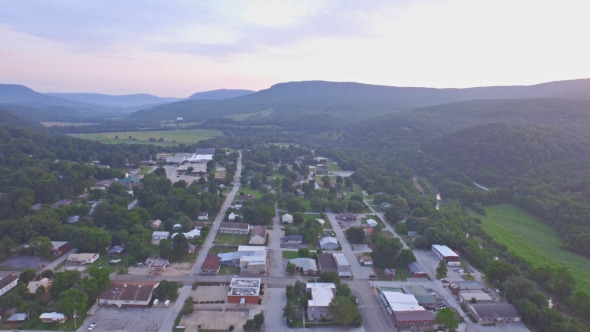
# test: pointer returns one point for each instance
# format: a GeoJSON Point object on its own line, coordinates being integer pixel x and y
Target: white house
{"type": "Point", "coordinates": [158, 236]}
{"type": "Point", "coordinates": [287, 218]}
{"type": "Point", "coordinates": [329, 243]}
{"type": "Point", "coordinates": [371, 222]}
{"type": "Point", "coordinates": [321, 221]}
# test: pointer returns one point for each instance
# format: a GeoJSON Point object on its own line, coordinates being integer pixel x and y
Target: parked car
{"type": "Point", "coordinates": [91, 326]}
{"type": "Point", "coordinates": [372, 276]}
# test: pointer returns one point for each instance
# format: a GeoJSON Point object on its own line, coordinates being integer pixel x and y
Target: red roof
{"type": "Point", "coordinates": [212, 262]}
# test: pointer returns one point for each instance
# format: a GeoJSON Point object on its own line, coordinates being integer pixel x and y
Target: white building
{"type": "Point", "coordinates": [158, 236]}
{"type": "Point", "coordinates": [7, 283]}
{"type": "Point", "coordinates": [329, 243]}
{"type": "Point", "coordinates": [343, 265]}
{"type": "Point", "coordinates": [84, 258]}
{"type": "Point", "coordinates": [318, 307]}
{"type": "Point", "coordinates": [287, 218]}
{"type": "Point", "coordinates": [371, 222]}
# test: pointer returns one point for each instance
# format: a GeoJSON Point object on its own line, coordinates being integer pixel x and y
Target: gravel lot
{"type": "Point", "coordinates": [129, 319]}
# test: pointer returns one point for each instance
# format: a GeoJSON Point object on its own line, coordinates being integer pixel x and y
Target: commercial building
{"type": "Point", "coordinates": [7, 283]}
{"type": "Point", "coordinates": [120, 293]}
{"type": "Point", "coordinates": [343, 265]}
{"type": "Point", "coordinates": [59, 247]}
{"type": "Point", "coordinates": [244, 290]}
{"type": "Point", "coordinates": [237, 228]}
{"type": "Point", "coordinates": [211, 265]}
{"type": "Point", "coordinates": [474, 296]}
{"type": "Point", "coordinates": [444, 252]}
{"type": "Point", "coordinates": [406, 311]}
{"type": "Point", "coordinates": [318, 306]}
{"type": "Point", "coordinates": [423, 297]}
{"type": "Point", "coordinates": [416, 270]}
{"type": "Point", "coordinates": [497, 312]}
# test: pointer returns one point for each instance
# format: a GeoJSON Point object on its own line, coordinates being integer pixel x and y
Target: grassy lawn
{"type": "Point", "coordinates": [231, 239]}
{"type": "Point", "coordinates": [534, 241]}
{"type": "Point", "coordinates": [290, 254]}
{"type": "Point", "coordinates": [229, 269]}
{"type": "Point", "coordinates": [142, 137]}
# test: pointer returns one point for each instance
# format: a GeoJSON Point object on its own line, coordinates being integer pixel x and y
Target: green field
{"type": "Point", "coordinates": [169, 137]}
{"type": "Point", "coordinates": [534, 241]}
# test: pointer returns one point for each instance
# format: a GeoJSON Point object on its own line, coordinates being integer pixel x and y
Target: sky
{"type": "Point", "coordinates": [174, 48]}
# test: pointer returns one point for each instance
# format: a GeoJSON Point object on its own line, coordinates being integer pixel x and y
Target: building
{"type": "Point", "coordinates": [348, 216]}
{"type": "Point", "coordinates": [343, 265]}
{"type": "Point", "coordinates": [17, 318]}
{"type": "Point", "coordinates": [115, 251]}
{"type": "Point", "coordinates": [329, 243]}
{"type": "Point", "coordinates": [423, 297]}
{"type": "Point", "coordinates": [242, 198]}
{"type": "Point", "coordinates": [415, 320]}
{"type": "Point", "coordinates": [211, 265]}
{"type": "Point", "coordinates": [491, 313]}
{"type": "Point", "coordinates": [258, 235]}
{"type": "Point", "coordinates": [369, 231]}
{"type": "Point", "coordinates": [321, 221]}
{"type": "Point", "coordinates": [318, 306]}
{"type": "Point", "coordinates": [305, 265]}
{"type": "Point", "coordinates": [63, 202]}
{"type": "Point", "coordinates": [157, 264]}
{"type": "Point", "coordinates": [59, 247]}
{"type": "Point", "coordinates": [53, 317]}
{"type": "Point", "coordinates": [293, 241]}
{"type": "Point", "coordinates": [154, 224]}
{"type": "Point", "coordinates": [237, 228]}
{"type": "Point", "coordinates": [474, 296]}
{"type": "Point", "coordinates": [327, 263]}
{"type": "Point", "coordinates": [287, 218]}
{"type": "Point", "coordinates": [33, 285]}
{"type": "Point", "coordinates": [203, 215]}
{"type": "Point", "coordinates": [158, 236]}
{"type": "Point", "coordinates": [444, 252]}
{"type": "Point", "coordinates": [250, 259]}
{"type": "Point", "coordinates": [244, 290]}
{"type": "Point", "coordinates": [127, 293]}
{"type": "Point", "coordinates": [73, 219]}
{"type": "Point", "coordinates": [192, 234]}
{"type": "Point", "coordinates": [7, 283]}
{"type": "Point", "coordinates": [85, 258]}
{"type": "Point", "coordinates": [416, 270]}
{"type": "Point", "coordinates": [458, 286]}
{"type": "Point", "coordinates": [232, 216]}
{"type": "Point", "coordinates": [129, 182]}
{"type": "Point", "coordinates": [372, 222]}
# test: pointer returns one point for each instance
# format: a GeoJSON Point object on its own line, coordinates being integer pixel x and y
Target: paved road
{"type": "Point", "coordinates": [220, 215]}
{"type": "Point", "coordinates": [277, 267]}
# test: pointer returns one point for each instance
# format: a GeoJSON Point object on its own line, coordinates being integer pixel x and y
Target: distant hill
{"type": "Point", "coordinates": [122, 101]}
{"type": "Point", "coordinates": [22, 95]}
{"type": "Point", "coordinates": [349, 102]}
{"type": "Point", "coordinates": [10, 120]}
{"type": "Point", "coordinates": [220, 94]}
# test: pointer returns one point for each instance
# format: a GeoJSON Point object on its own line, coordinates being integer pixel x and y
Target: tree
{"type": "Point", "coordinates": [73, 300]}
{"type": "Point", "coordinates": [304, 252]}
{"type": "Point", "coordinates": [165, 248]}
{"type": "Point", "coordinates": [441, 270]}
{"type": "Point", "coordinates": [167, 290]}
{"type": "Point", "coordinates": [355, 234]}
{"type": "Point", "coordinates": [291, 268]}
{"type": "Point", "coordinates": [446, 318]}
{"type": "Point", "coordinates": [63, 281]}
{"type": "Point", "coordinates": [330, 277]}
{"type": "Point", "coordinates": [498, 270]}
{"type": "Point", "coordinates": [27, 275]}
{"type": "Point", "coordinates": [180, 246]}
{"type": "Point", "coordinates": [42, 245]}
{"type": "Point", "coordinates": [343, 310]}
{"type": "Point", "coordinates": [258, 320]}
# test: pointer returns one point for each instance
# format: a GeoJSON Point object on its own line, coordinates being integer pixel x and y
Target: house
{"type": "Point", "coordinates": [497, 312]}
{"type": "Point", "coordinates": [321, 221]}
{"type": "Point", "coordinates": [177, 227]}
{"type": "Point", "coordinates": [192, 234]}
{"type": "Point", "coordinates": [343, 265]}
{"type": "Point", "coordinates": [318, 306]}
{"type": "Point", "coordinates": [305, 265]}
{"type": "Point", "coordinates": [7, 283]}
{"type": "Point", "coordinates": [79, 259]}
{"type": "Point", "coordinates": [366, 260]}
{"type": "Point", "coordinates": [444, 252]}
{"type": "Point", "coordinates": [17, 318]}
{"type": "Point", "coordinates": [59, 247]}
{"type": "Point", "coordinates": [53, 317]}
{"type": "Point", "coordinates": [238, 228]}
{"type": "Point", "coordinates": [327, 263]}
{"type": "Point", "coordinates": [369, 231]}
{"type": "Point", "coordinates": [258, 235]}
{"type": "Point", "coordinates": [293, 241]}
{"type": "Point", "coordinates": [384, 206]}
{"type": "Point", "coordinates": [244, 290]}
{"type": "Point", "coordinates": [128, 293]}
{"type": "Point", "coordinates": [115, 251]}
{"type": "Point", "coordinates": [416, 270]}
{"type": "Point", "coordinates": [474, 296]}
{"type": "Point", "coordinates": [203, 215]}
{"type": "Point", "coordinates": [199, 224]}
{"type": "Point", "coordinates": [158, 236]}
{"type": "Point", "coordinates": [211, 265]}
{"type": "Point", "coordinates": [347, 216]}
{"type": "Point", "coordinates": [232, 216]}
{"type": "Point", "coordinates": [329, 243]}
{"type": "Point", "coordinates": [242, 198]}
{"type": "Point", "coordinates": [37, 207]}
{"type": "Point", "coordinates": [73, 219]}
{"type": "Point", "coordinates": [372, 222]}
{"type": "Point", "coordinates": [33, 285]}
{"type": "Point", "coordinates": [63, 202]}
{"type": "Point", "coordinates": [154, 224]}
{"type": "Point", "coordinates": [287, 218]}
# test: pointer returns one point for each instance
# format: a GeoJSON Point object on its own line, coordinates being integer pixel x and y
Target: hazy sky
{"type": "Point", "coordinates": [176, 48]}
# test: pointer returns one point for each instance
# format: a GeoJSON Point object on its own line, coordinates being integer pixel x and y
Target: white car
{"type": "Point", "coordinates": [91, 326]}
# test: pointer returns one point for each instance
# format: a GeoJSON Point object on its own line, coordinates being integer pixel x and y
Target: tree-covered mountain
{"type": "Point", "coordinates": [121, 101]}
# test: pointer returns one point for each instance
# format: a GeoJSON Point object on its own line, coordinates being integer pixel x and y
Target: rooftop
{"type": "Point", "coordinates": [402, 302]}
{"type": "Point", "coordinates": [245, 286]}
{"type": "Point", "coordinates": [340, 259]}
{"type": "Point", "coordinates": [444, 250]}
{"type": "Point", "coordinates": [7, 280]}
{"type": "Point", "coordinates": [129, 291]}
{"type": "Point", "coordinates": [321, 294]}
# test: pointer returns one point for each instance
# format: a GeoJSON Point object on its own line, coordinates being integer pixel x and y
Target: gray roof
{"type": "Point", "coordinates": [305, 264]}
{"type": "Point", "coordinates": [494, 310]}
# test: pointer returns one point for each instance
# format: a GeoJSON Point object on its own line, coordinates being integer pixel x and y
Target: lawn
{"type": "Point", "coordinates": [290, 254]}
{"type": "Point", "coordinates": [231, 239]}
{"type": "Point", "coordinates": [168, 137]}
{"type": "Point", "coordinates": [534, 241]}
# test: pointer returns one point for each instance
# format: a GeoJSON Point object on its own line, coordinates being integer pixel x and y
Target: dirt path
{"type": "Point", "coordinates": [418, 186]}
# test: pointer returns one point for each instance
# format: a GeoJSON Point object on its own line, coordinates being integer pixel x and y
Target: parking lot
{"type": "Point", "coordinates": [128, 319]}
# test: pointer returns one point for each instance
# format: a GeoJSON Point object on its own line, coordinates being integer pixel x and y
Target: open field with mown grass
{"type": "Point", "coordinates": [534, 241]}
{"type": "Point", "coordinates": [162, 138]}
{"type": "Point", "coordinates": [66, 124]}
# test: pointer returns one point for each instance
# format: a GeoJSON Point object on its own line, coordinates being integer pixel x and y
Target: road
{"type": "Point", "coordinates": [220, 215]}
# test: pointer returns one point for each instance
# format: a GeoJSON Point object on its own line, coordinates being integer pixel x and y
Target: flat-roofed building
{"type": "Point", "coordinates": [318, 307]}
{"type": "Point", "coordinates": [474, 296]}
{"type": "Point", "coordinates": [343, 265]}
{"type": "Point", "coordinates": [53, 317]}
{"type": "Point", "coordinates": [423, 297]}
{"type": "Point", "coordinates": [83, 258]}
{"type": "Point", "coordinates": [244, 290]}
{"type": "Point", "coordinates": [158, 236]}
{"type": "Point", "coordinates": [128, 293]}
{"type": "Point", "coordinates": [327, 263]}
{"type": "Point", "coordinates": [497, 312]}
{"type": "Point", "coordinates": [239, 228]}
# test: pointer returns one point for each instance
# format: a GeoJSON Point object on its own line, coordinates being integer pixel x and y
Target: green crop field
{"type": "Point", "coordinates": [162, 138]}
{"type": "Point", "coordinates": [534, 241]}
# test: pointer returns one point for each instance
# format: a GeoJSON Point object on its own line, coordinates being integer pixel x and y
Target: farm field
{"type": "Point", "coordinates": [534, 241]}
{"type": "Point", "coordinates": [162, 138]}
